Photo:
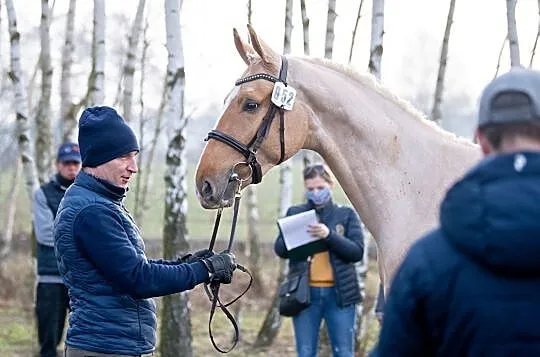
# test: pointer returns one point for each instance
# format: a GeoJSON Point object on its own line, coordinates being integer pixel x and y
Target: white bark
{"type": "Point", "coordinates": [288, 27]}
{"type": "Point", "coordinates": [129, 68]}
{"type": "Point", "coordinates": [21, 104]}
{"type": "Point", "coordinates": [43, 116]}
{"type": "Point", "coordinates": [97, 83]}
{"type": "Point", "coordinates": [176, 327]}
{"type": "Point", "coordinates": [533, 52]}
{"type": "Point", "coordinates": [139, 203]}
{"type": "Point", "coordinates": [436, 114]}
{"type": "Point", "coordinates": [512, 33]}
{"type": "Point", "coordinates": [330, 20]}
{"type": "Point", "coordinates": [305, 26]}
{"type": "Point", "coordinates": [377, 32]}
{"type": "Point", "coordinates": [68, 121]}
{"type": "Point", "coordinates": [355, 29]}
{"type": "Point", "coordinates": [249, 11]}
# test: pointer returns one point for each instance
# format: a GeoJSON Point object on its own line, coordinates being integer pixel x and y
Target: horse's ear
{"type": "Point", "coordinates": [244, 49]}
{"type": "Point", "coordinates": [267, 54]}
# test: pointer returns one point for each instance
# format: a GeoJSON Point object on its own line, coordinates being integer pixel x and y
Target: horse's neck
{"type": "Point", "coordinates": [393, 166]}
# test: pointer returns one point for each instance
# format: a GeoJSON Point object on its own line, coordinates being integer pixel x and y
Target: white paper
{"type": "Point", "coordinates": [294, 229]}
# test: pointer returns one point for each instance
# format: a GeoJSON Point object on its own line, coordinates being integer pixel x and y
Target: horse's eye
{"type": "Point", "coordinates": [250, 106]}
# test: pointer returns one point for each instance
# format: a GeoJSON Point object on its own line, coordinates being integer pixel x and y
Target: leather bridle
{"type": "Point", "coordinates": [250, 149]}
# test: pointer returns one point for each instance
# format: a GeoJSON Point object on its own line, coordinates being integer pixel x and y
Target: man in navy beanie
{"type": "Point", "coordinates": [100, 253]}
{"type": "Point", "coordinates": [472, 286]}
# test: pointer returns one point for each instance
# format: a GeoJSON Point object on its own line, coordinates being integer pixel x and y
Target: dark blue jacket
{"type": "Point", "coordinates": [472, 287]}
{"type": "Point", "coordinates": [344, 249]}
{"type": "Point", "coordinates": [101, 258]}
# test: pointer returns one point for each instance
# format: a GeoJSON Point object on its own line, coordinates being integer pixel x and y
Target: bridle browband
{"type": "Point", "coordinates": [250, 149]}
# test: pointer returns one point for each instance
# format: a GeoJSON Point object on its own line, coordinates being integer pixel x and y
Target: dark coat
{"type": "Point", "coordinates": [102, 261]}
{"type": "Point", "coordinates": [472, 287]}
{"type": "Point", "coordinates": [345, 249]}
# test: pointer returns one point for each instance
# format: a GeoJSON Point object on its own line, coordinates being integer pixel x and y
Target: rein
{"type": "Point", "coordinates": [250, 149]}
{"type": "Point", "coordinates": [212, 289]}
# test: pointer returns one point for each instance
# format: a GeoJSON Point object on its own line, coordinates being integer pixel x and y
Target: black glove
{"type": "Point", "coordinates": [221, 267]}
{"type": "Point", "coordinates": [195, 257]}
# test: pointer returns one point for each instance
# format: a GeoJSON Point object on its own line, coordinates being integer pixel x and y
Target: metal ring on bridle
{"type": "Point", "coordinates": [241, 178]}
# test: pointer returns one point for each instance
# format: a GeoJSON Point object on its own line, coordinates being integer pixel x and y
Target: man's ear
{"type": "Point", "coordinates": [485, 145]}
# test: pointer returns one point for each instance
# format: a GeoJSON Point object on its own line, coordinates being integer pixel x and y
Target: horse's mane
{"type": "Point", "coordinates": [370, 81]}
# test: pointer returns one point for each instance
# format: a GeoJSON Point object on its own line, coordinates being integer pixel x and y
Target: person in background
{"type": "Point", "coordinates": [472, 286]}
{"type": "Point", "coordinates": [51, 300]}
{"type": "Point", "coordinates": [334, 285]}
{"type": "Point", "coordinates": [100, 252]}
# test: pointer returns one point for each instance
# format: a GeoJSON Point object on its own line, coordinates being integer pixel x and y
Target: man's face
{"type": "Point", "coordinates": [68, 169]}
{"type": "Point", "coordinates": [118, 171]}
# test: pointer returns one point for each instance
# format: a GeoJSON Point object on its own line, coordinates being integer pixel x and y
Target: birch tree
{"type": "Point", "coordinates": [176, 336]}
{"type": "Point", "coordinates": [129, 67]}
{"type": "Point", "coordinates": [330, 20]}
{"type": "Point", "coordinates": [305, 26]}
{"type": "Point", "coordinates": [272, 321]}
{"type": "Point", "coordinates": [377, 32]}
{"type": "Point", "coordinates": [512, 33]}
{"type": "Point", "coordinates": [68, 120]}
{"type": "Point", "coordinates": [253, 251]}
{"type": "Point", "coordinates": [533, 52]}
{"type": "Point", "coordinates": [500, 56]}
{"type": "Point", "coordinates": [355, 29]}
{"type": "Point", "coordinates": [96, 82]}
{"type": "Point", "coordinates": [43, 116]}
{"type": "Point", "coordinates": [21, 104]}
{"type": "Point", "coordinates": [436, 115]}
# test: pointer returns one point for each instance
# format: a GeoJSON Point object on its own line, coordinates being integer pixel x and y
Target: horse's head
{"type": "Point", "coordinates": [253, 134]}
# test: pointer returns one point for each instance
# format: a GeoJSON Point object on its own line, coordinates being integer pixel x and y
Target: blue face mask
{"type": "Point", "coordinates": [319, 197]}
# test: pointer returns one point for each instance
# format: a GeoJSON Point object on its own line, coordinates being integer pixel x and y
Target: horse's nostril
{"type": "Point", "coordinates": [207, 190]}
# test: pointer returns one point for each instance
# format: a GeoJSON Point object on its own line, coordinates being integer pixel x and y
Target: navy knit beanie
{"type": "Point", "coordinates": [104, 136]}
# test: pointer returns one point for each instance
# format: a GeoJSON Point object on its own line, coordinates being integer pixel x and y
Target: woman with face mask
{"type": "Point", "coordinates": [334, 286]}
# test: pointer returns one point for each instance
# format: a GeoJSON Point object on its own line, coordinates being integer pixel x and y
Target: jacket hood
{"type": "Point", "coordinates": [493, 214]}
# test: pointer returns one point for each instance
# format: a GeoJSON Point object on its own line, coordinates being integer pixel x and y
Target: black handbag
{"type": "Point", "coordinates": [294, 294]}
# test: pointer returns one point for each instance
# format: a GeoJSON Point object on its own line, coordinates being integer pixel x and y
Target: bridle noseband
{"type": "Point", "coordinates": [250, 150]}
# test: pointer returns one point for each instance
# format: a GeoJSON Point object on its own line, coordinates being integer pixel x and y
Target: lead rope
{"type": "Point", "coordinates": [212, 288]}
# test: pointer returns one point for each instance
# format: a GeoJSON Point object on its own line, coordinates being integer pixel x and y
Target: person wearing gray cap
{"type": "Point", "coordinates": [472, 286]}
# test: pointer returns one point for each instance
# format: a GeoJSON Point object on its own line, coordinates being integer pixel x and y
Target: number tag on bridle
{"type": "Point", "coordinates": [283, 96]}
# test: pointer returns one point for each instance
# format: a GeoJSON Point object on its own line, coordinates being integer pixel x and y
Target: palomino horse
{"type": "Point", "coordinates": [393, 164]}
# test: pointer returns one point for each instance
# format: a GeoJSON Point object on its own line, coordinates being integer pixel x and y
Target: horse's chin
{"type": "Point", "coordinates": [214, 205]}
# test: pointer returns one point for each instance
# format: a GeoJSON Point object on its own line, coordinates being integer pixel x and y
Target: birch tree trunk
{"type": "Point", "coordinates": [43, 116]}
{"type": "Point", "coordinates": [7, 237]}
{"type": "Point", "coordinates": [250, 12]}
{"type": "Point", "coordinates": [272, 322]}
{"type": "Point", "coordinates": [377, 32]}
{"type": "Point", "coordinates": [129, 68]}
{"type": "Point", "coordinates": [330, 20]}
{"type": "Point", "coordinates": [500, 56]}
{"type": "Point", "coordinates": [139, 205]}
{"type": "Point", "coordinates": [355, 29]}
{"type": "Point", "coordinates": [96, 82]}
{"type": "Point", "coordinates": [68, 120]}
{"type": "Point", "coordinates": [21, 104]}
{"type": "Point", "coordinates": [436, 114]}
{"type": "Point", "coordinates": [176, 336]}
{"type": "Point", "coordinates": [512, 33]}
{"type": "Point", "coordinates": [305, 26]}
{"type": "Point", "coordinates": [533, 52]}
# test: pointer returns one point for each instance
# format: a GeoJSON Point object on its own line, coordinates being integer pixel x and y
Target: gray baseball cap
{"type": "Point", "coordinates": [512, 97]}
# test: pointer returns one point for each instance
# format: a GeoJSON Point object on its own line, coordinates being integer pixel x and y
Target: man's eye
{"type": "Point", "coordinates": [250, 106]}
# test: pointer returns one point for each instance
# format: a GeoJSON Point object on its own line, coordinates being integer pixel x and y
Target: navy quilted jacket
{"type": "Point", "coordinates": [472, 287]}
{"type": "Point", "coordinates": [101, 258]}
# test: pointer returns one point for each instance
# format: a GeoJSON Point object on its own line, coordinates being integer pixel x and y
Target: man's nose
{"type": "Point", "coordinates": [133, 166]}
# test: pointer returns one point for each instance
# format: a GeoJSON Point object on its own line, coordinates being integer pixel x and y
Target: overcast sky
{"type": "Point", "coordinates": [413, 35]}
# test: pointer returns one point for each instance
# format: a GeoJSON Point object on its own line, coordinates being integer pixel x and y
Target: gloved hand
{"type": "Point", "coordinates": [195, 257]}
{"type": "Point", "coordinates": [221, 267]}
